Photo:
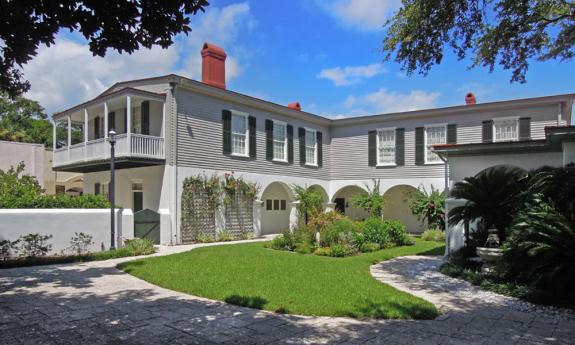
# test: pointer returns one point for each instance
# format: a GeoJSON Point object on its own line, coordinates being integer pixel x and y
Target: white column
{"type": "Point", "coordinates": [69, 132]}
{"type": "Point", "coordinates": [329, 206]}
{"type": "Point", "coordinates": [54, 135]}
{"type": "Point", "coordinates": [106, 120]}
{"type": "Point", "coordinates": [258, 206]}
{"type": "Point", "coordinates": [85, 133]}
{"type": "Point", "coordinates": [129, 122]}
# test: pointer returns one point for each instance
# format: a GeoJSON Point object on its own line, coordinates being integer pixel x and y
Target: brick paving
{"type": "Point", "coordinates": [94, 303]}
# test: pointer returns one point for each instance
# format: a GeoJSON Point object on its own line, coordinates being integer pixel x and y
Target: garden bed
{"type": "Point", "coordinates": [253, 276]}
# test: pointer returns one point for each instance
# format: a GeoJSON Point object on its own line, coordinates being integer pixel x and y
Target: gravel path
{"type": "Point", "coordinates": [94, 303]}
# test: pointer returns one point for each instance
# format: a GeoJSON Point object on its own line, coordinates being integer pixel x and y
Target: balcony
{"type": "Point", "coordinates": [136, 116]}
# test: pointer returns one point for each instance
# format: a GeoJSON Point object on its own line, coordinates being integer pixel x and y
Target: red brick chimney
{"type": "Point", "coordinates": [470, 99]}
{"type": "Point", "coordinates": [295, 106]}
{"type": "Point", "coordinates": [214, 65]}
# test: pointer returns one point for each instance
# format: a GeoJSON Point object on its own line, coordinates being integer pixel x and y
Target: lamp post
{"type": "Point", "coordinates": [112, 188]}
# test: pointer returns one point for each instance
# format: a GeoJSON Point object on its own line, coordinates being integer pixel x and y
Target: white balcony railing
{"type": "Point", "coordinates": [139, 146]}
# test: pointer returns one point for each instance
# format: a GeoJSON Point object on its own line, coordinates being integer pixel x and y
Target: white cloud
{"type": "Point", "coordinates": [365, 15]}
{"type": "Point", "coordinates": [66, 73]}
{"type": "Point", "coordinates": [350, 74]}
{"type": "Point", "coordinates": [384, 101]}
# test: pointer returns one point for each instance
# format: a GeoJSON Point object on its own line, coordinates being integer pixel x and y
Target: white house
{"type": "Point", "coordinates": [171, 127]}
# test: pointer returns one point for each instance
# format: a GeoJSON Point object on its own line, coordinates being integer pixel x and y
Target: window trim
{"type": "Point", "coordinates": [283, 123]}
{"type": "Point", "coordinates": [501, 119]}
{"type": "Point", "coordinates": [315, 165]}
{"type": "Point", "coordinates": [246, 154]}
{"type": "Point", "coordinates": [435, 125]}
{"type": "Point", "coordinates": [378, 163]}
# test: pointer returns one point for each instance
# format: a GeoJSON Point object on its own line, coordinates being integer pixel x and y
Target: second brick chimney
{"type": "Point", "coordinates": [214, 65]}
{"type": "Point", "coordinates": [470, 98]}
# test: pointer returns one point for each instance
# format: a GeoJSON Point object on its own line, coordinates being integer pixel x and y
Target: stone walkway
{"type": "Point", "coordinates": [94, 303]}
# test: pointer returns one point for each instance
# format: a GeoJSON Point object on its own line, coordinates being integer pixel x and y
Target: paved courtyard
{"type": "Point", "coordinates": [94, 303]}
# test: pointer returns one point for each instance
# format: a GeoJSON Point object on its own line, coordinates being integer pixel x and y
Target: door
{"type": "Point", "coordinates": [340, 205]}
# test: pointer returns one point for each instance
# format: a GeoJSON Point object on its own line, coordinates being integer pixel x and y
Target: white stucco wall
{"type": "Point", "coordinates": [461, 167]}
{"type": "Point", "coordinates": [274, 221]}
{"type": "Point", "coordinates": [12, 153]}
{"type": "Point", "coordinates": [397, 207]}
{"type": "Point", "coordinates": [63, 223]}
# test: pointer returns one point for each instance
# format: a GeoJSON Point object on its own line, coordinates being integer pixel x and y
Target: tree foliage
{"type": "Point", "coordinates": [511, 33]}
{"type": "Point", "coordinates": [372, 201]}
{"type": "Point", "coordinates": [124, 26]}
{"type": "Point", "coordinates": [309, 202]}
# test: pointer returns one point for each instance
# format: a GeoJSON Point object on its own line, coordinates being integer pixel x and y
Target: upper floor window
{"type": "Point", "coordinates": [506, 129]}
{"type": "Point", "coordinates": [434, 135]}
{"type": "Point", "coordinates": [386, 146]}
{"type": "Point", "coordinates": [239, 134]}
{"type": "Point", "coordinates": [280, 141]}
{"type": "Point", "coordinates": [310, 147]}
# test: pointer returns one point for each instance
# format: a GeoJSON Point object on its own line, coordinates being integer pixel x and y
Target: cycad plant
{"type": "Point", "coordinates": [540, 250]}
{"type": "Point", "coordinates": [493, 198]}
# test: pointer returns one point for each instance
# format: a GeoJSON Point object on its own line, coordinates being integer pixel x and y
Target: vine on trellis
{"type": "Point", "coordinates": [201, 198]}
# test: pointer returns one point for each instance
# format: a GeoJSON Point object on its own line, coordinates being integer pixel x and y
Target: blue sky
{"type": "Point", "coordinates": [324, 54]}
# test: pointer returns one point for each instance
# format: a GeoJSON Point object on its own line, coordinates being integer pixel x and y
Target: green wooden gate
{"type": "Point", "coordinates": [147, 225]}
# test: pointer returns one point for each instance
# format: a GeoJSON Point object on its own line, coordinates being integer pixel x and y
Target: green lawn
{"type": "Point", "coordinates": [253, 276]}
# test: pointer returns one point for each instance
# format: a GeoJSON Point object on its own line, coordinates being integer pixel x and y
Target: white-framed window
{"type": "Point", "coordinates": [310, 147]}
{"type": "Point", "coordinates": [506, 129]}
{"type": "Point", "coordinates": [386, 146]}
{"type": "Point", "coordinates": [240, 140]}
{"type": "Point", "coordinates": [280, 141]}
{"type": "Point", "coordinates": [434, 135]}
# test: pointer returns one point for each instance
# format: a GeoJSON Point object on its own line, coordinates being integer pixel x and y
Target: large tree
{"type": "Point", "coordinates": [511, 33]}
{"type": "Point", "coordinates": [124, 26]}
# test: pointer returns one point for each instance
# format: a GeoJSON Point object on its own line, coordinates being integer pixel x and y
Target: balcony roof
{"type": "Point", "coordinates": [128, 91]}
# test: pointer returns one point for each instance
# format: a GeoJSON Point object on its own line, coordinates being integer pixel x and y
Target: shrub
{"type": "Point", "coordinates": [206, 238]}
{"type": "Point", "coordinates": [225, 235]}
{"type": "Point", "coordinates": [286, 241]}
{"type": "Point", "coordinates": [369, 247]}
{"type": "Point", "coordinates": [324, 219]}
{"type": "Point", "coordinates": [372, 201]}
{"type": "Point", "coordinates": [246, 235]}
{"type": "Point", "coordinates": [540, 250]}
{"type": "Point", "coordinates": [33, 245]}
{"type": "Point", "coordinates": [305, 234]}
{"type": "Point", "coordinates": [337, 251]}
{"type": "Point", "coordinates": [303, 248]}
{"type": "Point", "coordinates": [80, 243]}
{"type": "Point", "coordinates": [340, 232]}
{"type": "Point", "coordinates": [429, 206]}
{"type": "Point", "coordinates": [139, 246]}
{"type": "Point", "coordinates": [398, 232]}
{"type": "Point", "coordinates": [374, 231]}
{"type": "Point", "coordinates": [436, 235]}
{"type": "Point", "coordinates": [323, 251]}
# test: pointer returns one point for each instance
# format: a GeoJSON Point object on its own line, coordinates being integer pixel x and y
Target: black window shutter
{"type": "Point", "coordinates": [111, 121]}
{"type": "Point", "coordinates": [125, 120]}
{"type": "Point", "coordinates": [487, 132]}
{"type": "Point", "coordinates": [146, 117]}
{"type": "Point", "coordinates": [289, 131]}
{"type": "Point", "coordinates": [97, 188]}
{"type": "Point", "coordinates": [372, 148]}
{"type": "Point", "coordinates": [400, 146]}
{"type": "Point", "coordinates": [319, 140]}
{"type": "Point", "coordinates": [227, 131]}
{"type": "Point", "coordinates": [301, 135]}
{"type": "Point", "coordinates": [96, 128]}
{"type": "Point", "coordinates": [269, 140]}
{"type": "Point", "coordinates": [452, 134]}
{"type": "Point", "coordinates": [419, 146]}
{"type": "Point", "coordinates": [252, 131]}
{"type": "Point", "coordinates": [524, 128]}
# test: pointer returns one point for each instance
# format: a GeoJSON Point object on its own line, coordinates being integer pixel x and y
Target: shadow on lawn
{"type": "Point", "coordinates": [254, 302]}
{"type": "Point", "coordinates": [386, 310]}
{"type": "Point", "coordinates": [434, 251]}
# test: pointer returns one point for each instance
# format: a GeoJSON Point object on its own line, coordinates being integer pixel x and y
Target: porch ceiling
{"type": "Point", "coordinates": [104, 165]}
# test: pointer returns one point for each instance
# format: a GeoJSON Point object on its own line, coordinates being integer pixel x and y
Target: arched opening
{"type": "Point", "coordinates": [276, 208]}
{"type": "Point", "coordinates": [343, 202]}
{"type": "Point", "coordinates": [321, 191]}
{"type": "Point", "coordinates": [397, 200]}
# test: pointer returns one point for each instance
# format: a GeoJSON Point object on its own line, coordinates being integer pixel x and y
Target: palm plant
{"type": "Point", "coordinates": [310, 202]}
{"type": "Point", "coordinates": [372, 201]}
{"type": "Point", "coordinates": [540, 250]}
{"type": "Point", "coordinates": [493, 198]}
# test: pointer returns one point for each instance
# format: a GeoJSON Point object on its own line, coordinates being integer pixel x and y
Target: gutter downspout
{"type": "Point", "coordinates": [443, 156]}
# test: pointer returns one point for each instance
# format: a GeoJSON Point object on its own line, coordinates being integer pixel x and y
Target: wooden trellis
{"type": "Point", "coordinates": [239, 215]}
{"type": "Point", "coordinates": [198, 217]}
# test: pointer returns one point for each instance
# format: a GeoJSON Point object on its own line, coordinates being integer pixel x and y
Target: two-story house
{"type": "Point", "coordinates": [171, 127]}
